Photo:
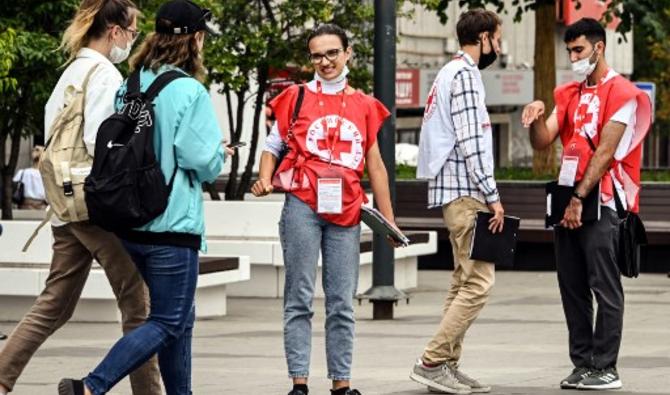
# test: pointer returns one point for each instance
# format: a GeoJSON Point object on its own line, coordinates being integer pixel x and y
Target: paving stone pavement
{"type": "Point", "coordinates": [518, 344]}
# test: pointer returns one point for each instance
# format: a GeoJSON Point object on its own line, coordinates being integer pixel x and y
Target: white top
{"type": "Point", "coordinates": [100, 95]}
{"type": "Point", "coordinates": [456, 144]}
{"type": "Point", "coordinates": [99, 102]}
{"type": "Point", "coordinates": [32, 183]}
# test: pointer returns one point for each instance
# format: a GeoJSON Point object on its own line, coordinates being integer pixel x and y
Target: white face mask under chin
{"type": "Point", "coordinates": [118, 55]}
{"type": "Point", "coordinates": [336, 84]}
{"type": "Point", "coordinates": [584, 67]}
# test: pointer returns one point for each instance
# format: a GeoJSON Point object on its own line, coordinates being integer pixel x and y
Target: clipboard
{"type": "Point", "coordinates": [497, 248]}
{"type": "Point", "coordinates": [376, 221]}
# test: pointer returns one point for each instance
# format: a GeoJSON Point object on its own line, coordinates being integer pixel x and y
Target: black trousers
{"type": "Point", "coordinates": [586, 266]}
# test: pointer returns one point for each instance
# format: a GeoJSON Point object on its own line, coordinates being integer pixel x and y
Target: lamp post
{"type": "Point", "coordinates": [383, 293]}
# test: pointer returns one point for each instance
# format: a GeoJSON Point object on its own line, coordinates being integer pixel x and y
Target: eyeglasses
{"type": "Point", "coordinates": [134, 33]}
{"type": "Point", "coordinates": [330, 54]}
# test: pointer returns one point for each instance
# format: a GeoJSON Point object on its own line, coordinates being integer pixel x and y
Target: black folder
{"type": "Point", "coordinates": [558, 198]}
{"type": "Point", "coordinates": [497, 248]}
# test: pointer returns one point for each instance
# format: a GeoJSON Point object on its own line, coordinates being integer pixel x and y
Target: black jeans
{"type": "Point", "coordinates": [586, 265]}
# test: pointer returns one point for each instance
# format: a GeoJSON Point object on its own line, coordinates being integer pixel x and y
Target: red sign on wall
{"type": "Point", "coordinates": [589, 9]}
{"type": "Point", "coordinates": [407, 88]}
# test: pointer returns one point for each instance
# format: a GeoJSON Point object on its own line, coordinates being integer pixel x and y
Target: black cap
{"type": "Point", "coordinates": [183, 17]}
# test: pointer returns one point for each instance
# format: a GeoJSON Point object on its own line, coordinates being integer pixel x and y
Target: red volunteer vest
{"type": "Point", "coordinates": [309, 157]}
{"type": "Point", "coordinates": [593, 114]}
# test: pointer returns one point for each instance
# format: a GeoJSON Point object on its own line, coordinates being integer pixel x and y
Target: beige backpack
{"type": "Point", "coordinates": [65, 162]}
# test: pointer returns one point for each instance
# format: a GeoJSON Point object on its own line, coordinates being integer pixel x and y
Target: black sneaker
{"type": "Point", "coordinates": [577, 375]}
{"type": "Point", "coordinates": [297, 392]}
{"type": "Point", "coordinates": [606, 379]}
{"type": "Point", "coordinates": [349, 391]}
{"type": "Point", "coordinates": [2, 336]}
{"type": "Point", "coordinates": [71, 387]}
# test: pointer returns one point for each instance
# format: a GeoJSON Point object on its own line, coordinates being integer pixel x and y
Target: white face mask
{"type": "Point", "coordinates": [336, 84]}
{"type": "Point", "coordinates": [584, 67]}
{"type": "Point", "coordinates": [118, 55]}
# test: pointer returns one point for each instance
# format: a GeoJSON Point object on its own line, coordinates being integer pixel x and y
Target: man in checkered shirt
{"type": "Point", "coordinates": [456, 156]}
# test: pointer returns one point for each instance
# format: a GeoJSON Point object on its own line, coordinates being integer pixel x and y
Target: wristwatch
{"type": "Point", "coordinates": [578, 196]}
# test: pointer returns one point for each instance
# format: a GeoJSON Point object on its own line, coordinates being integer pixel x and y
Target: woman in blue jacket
{"type": "Point", "coordinates": [186, 136]}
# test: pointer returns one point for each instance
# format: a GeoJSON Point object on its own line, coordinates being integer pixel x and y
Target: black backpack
{"type": "Point", "coordinates": [126, 187]}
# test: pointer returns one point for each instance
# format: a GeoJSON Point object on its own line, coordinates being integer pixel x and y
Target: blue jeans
{"type": "Point", "coordinates": [303, 234]}
{"type": "Point", "coordinates": [171, 274]}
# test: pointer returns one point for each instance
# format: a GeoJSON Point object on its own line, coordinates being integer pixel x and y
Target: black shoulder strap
{"type": "Point", "coordinates": [296, 113]}
{"type": "Point", "coordinates": [591, 144]}
{"type": "Point", "coordinates": [298, 103]}
{"type": "Point", "coordinates": [160, 82]}
{"type": "Point", "coordinates": [617, 200]}
{"type": "Point", "coordinates": [133, 92]}
{"type": "Point", "coordinates": [133, 87]}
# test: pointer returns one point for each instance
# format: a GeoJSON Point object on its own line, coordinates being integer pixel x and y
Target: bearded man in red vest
{"type": "Point", "coordinates": [601, 123]}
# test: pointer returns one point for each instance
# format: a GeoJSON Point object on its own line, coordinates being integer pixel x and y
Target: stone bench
{"type": "Point", "coordinates": [250, 228]}
{"type": "Point", "coordinates": [22, 278]}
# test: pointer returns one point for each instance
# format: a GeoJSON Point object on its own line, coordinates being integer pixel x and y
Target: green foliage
{"type": "Point", "coordinates": [260, 36]}
{"type": "Point", "coordinates": [30, 32]}
{"type": "Point", "coordinates": [7, 58]}
{"type": "Point", "coordinates": [644, 14]}
{"type": "Point", "coordinates": [272, 33]}
{"type": "Point", "coordinates": [647, 16]}
{"type": "Point", "coordinates": [519, 7]}
{"type": "Point", "coordinates": [652, 63]}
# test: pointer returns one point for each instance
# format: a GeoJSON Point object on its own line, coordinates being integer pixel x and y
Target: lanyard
{"type": "Point", "coordinates": [581, 109]}
{"type": "Point", "coordinates": [331, 138]}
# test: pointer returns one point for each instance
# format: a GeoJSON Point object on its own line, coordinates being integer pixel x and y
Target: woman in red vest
{"type": "Point", "coordinates": [331, 138]}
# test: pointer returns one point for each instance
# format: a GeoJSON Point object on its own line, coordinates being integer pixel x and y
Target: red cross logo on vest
{"type": "Point", "coordinates": [340, 146]}
{"type": "Point", "coordinates": [586, 116]}
{"type": "Point", "coordinates": [347, 150]}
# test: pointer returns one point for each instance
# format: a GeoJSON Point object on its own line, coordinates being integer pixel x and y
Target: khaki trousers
{"type": "Point", "coordinates": [471, 284]}
{"type": "Point", "coordinates": [75, 246]}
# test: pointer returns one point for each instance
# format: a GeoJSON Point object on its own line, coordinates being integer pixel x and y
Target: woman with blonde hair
{"type": "Point", "coordinates": [100, 35]}
{"type": "Point", "coordinates": [187, 146]}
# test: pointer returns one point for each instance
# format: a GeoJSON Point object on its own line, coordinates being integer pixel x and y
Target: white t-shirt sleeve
{"type": "Point", "coordinates": [273, 143]}
{"type": "Point", "coordinates": [100, 96]}
{"type": "Point", "coordinates": [626, 116]}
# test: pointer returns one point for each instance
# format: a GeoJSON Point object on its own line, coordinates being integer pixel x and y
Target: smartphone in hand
{"type": "Point", "coordinates": [236, 145]}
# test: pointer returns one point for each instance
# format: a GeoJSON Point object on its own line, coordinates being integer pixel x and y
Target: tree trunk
{"type": "Point", "coordinates": [210, 187]}
{"type": "Point", "coordinates": [8, 167]}
{"type": "Point", "coordinates": [231, 185]}
{"type": "Point", "coordinates": [545, 75]}
{"type": "Point", "coordinates": [7, 194]}
{"type": "Point", "coordinates": [262, 72]}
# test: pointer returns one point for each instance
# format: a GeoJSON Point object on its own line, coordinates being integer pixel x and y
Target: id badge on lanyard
{"type": "Point", "coordinates": [329, 194]}
{"type": "Point", "coordinates": [568, 173]}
